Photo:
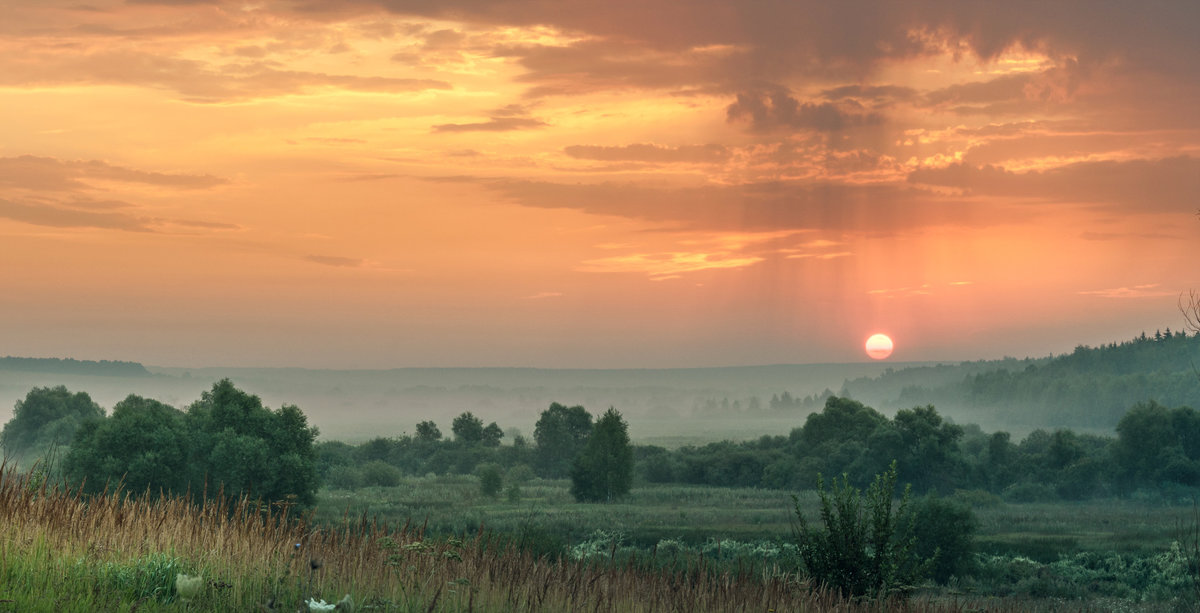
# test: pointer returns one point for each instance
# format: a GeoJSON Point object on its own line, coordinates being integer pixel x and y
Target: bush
{"type": "Point", "coordinates": [344, 478]}
{"type": "Point", "coordinates": [381, 474]}
{"type": "Point", "coordinates": [490, 480]}
{"type": "Point", "coordinates": [862, 551]}
{"type": "Point", "coordinates": [945, 531]}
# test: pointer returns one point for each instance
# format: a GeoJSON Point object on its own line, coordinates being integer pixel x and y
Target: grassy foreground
{"type": "Point", "coordinates": [59, 552]}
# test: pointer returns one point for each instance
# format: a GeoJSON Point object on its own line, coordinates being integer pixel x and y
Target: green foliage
{"type": "Point", "coordinates": [560, 434]}
{"type": "Point", "coordinates": [603, 471]}
{"type": "Point", "coordinates": [380, 474]}
{"type": "Point", "coordinates": [47, 417]}
{"type": "Point", "coordinates": [491, 479]}
{"type": "Point", "coordinates": [945, 533]}
{"type": "Point", "coordinates": [428, 432]}
{"type": "Point", "coordinates": [866, 547]}
{"type": "Point", "coordinates": [244, 447]}
{"type": "Point", "coordinates": [144, 444]}
{"type": "Point", "coordinates": [1156, 444]}
{"type": "Point", "coordinates": [467, 428]}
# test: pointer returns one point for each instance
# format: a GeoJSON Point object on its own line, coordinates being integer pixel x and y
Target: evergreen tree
{"type": "Point", "coordinates": [603, 471]}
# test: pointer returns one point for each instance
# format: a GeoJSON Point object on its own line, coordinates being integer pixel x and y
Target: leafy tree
{"type": "Point", "coordinates": [1150, 448]}
{"type": "Point", "coordinates": [867, 547]}
{"type": "Point", "coordinates": [492, 435]}
{"type": "Point", "coordinates": [243, 447]}
{"type": "Point", "coordinates": [48, 416]}
{"type": "Point", "coordinates": [560, 434]}
{"type": "Point", "coordinates": [467, 428]}
{"type": "Point", "coordinates": [428, 432]}
{"type": "Point", "coordinates": [930, 448]}
{"type": "Point", "coordinates": [603, 471]}
{"type": "Point", "coordinates": [144, 444]}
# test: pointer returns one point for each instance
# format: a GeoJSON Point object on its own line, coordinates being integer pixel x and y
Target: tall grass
{"type": "Point", "coordinates": [60, 551]}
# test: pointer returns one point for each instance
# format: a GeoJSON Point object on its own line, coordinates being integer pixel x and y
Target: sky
{"type": "Point", "coordinates": [568, 184]}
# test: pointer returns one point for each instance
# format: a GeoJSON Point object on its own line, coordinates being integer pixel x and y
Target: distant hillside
{"type": "Point", "coordinates": [68, 366]}
{"type": "Point", "coordinates": [1091, 387]}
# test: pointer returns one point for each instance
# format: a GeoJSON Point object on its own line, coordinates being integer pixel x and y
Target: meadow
{"type": "Point", "coordinates": [436, 544]}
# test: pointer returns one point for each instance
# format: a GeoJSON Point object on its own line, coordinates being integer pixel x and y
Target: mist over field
{"type": "Point", "coordinates": [666, 406]}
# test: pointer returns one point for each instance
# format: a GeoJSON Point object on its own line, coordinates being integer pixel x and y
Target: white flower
{"type": "Point", "coordinates": [320, 605]}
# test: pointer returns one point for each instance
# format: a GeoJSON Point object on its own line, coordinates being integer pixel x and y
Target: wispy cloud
{"type": "Point", "coordinates": [1137, 291]}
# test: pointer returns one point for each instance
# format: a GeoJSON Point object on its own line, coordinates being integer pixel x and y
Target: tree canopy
{"type": "Point", "coordinates": [48, 416]}
{"type": "Point", "coordinates": [603, 471]}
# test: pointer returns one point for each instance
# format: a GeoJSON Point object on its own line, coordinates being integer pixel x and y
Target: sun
{"type": "Point", "coordinates": [879, 346]}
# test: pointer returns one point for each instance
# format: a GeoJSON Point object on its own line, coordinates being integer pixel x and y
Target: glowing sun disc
{"type": "Point", "coordinates": [879, 346]}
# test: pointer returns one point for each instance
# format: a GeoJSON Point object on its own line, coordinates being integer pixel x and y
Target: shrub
{"type": "Point", "coordinates": [381, 474]}
{"type": "Point", "coordinates": [945, 531]}
{"type": "Point", "coordinates": [490, 480]}
{"type": "Point", "coordinates": [862, 551]}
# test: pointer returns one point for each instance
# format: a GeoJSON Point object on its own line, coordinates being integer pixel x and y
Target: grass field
{"type": "Point", "coordinates": [419, 547]}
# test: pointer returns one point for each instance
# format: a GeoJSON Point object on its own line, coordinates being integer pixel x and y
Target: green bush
{"type": "Point", "coordinates": [491, 480]}
{"type": "Point", "coordinates": [866, 548]}
{"type": "Point", "coordinates": [381, 474]}
{"type": "Point", "coordinates": [945, 534]}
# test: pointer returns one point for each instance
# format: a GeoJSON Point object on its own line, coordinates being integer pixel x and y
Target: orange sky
{"type": "Point", "coordinates": [650, 183]}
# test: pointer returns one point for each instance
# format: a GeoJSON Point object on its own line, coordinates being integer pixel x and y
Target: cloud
{"type": "Point", "coordinates": [543, 296]}
{"type": "Point", "coordinates": [495, 124]}
{"type": "Point", "coordinates": [763, 206]}
{"type": "Point", "coordinates": [192, 80]}
{"type": "Point", "coordinates": [62, 194]}
{"type": "Point", "coordinates": [1137, 186]}
{"type": "Point", "coordinates": [776, 108]}
{"type": "Point", "coordinates": [1137, 291]}
{"type": "Point", "coordinates": [339, 262]}
{"type": "Point", "coordinates": [64, 217]}
{"type": "Point", "coordinates": [44, 173]}
{"type": "Point", "coordinates": [710, 154]}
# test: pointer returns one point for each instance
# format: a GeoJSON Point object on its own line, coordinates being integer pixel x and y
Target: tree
{"type": "Point", "coordinates": [144, 444]}
{"type": "Point", "coordinates": [239, 444]}
{"type": "Point", "coordinates": [467, 428]}
{"type": "Point", "coordinates": [427, 432]}
{"type": "Point", "coordinates": [492, 435]}
{"type": "Point", "coordinates": [45, 418]}
{"type": "Point", "coordinates": [603, 471]}
{"type": "Point", "coordinates": [560, 434]}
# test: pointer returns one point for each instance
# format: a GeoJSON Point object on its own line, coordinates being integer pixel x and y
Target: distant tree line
{"type": "Point", "coordinates": [74, 367]}
{"type": "Point", "coordinates": [1091, 387]}
{"type": "Point", "coordinates": [228, 439]}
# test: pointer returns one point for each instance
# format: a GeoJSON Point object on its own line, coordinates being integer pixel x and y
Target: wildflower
{"type": "Point", "coordinates": [320, 605]}
{"type": "Point", "coordinates": [187, 586]}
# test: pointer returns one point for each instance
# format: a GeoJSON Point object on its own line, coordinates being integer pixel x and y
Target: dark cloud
{"type": "Point", "coordinates": [877, 93]}
{"type": "Point", "coordinates": [1151, 186]}
{"type": "Point", "coordinates": [651, 153]}
{"type": "Point", "coordinates": [776, 108]}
